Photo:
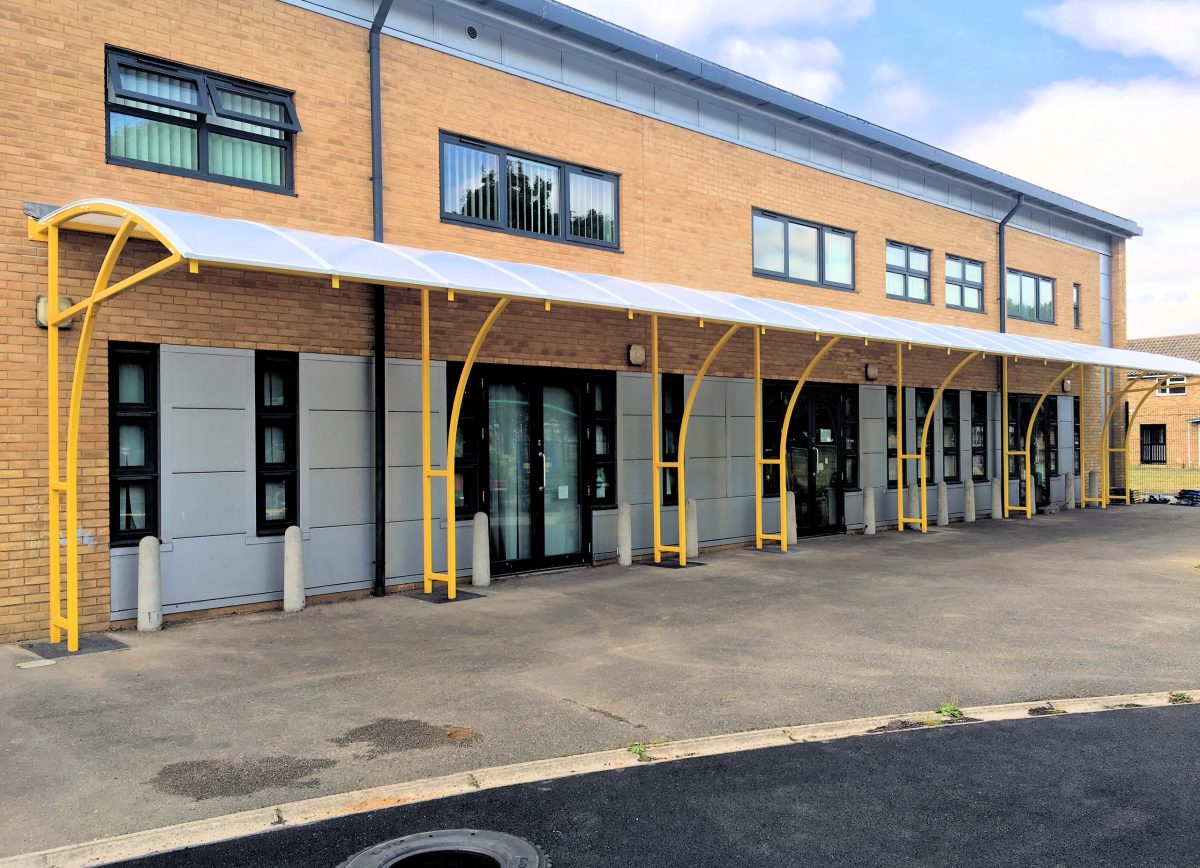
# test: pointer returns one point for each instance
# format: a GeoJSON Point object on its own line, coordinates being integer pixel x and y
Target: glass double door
{"type": "Point", "coordinates": [535, 502]}
{"type": "Point", "coordinates": [815, 461]}
{"type": "Point", "coordinates": [1042, 448]}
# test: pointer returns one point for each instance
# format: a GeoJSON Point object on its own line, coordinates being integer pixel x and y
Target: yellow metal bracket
{"type": "Point", "coordinates": [781, 462]}
{"type": "Point", "coordinates": [429, 473]}
{"type": "Point", "coordinates": [66, 486]}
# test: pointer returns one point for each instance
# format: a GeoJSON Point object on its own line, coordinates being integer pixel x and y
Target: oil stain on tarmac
{"type": "Point", "coordinates": [389, 735]}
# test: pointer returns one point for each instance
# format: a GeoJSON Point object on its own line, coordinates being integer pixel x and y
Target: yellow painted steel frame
{"type": "Point", "coordinates": [1106, 447]}
{"type": "Point", "coordinates": [781, 461]}
{"type": "Point", "coordinates": [1129, 430]}
{"type": "Point", "coordinates": [429, 473]}
{"type": "Point", "coordinates": [923, 456]}
{"type": "Point", "coordinates": [679, 464]}
{"type": "Point", "coordinates": [67, 485]}
{"type": "Point", "coordinates": [1026, 452]}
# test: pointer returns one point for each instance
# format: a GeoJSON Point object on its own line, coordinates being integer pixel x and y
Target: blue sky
{"type": "Point", "coordinates": [1096, 99]}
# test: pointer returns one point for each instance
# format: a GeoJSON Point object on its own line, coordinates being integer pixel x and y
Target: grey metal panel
{"type": "Point", "coordinates": [404, 439]}
{"type": "Point", "coordinates": [741, 437]}
{"type": "Point", "coordinates": [604, 533]}
{"type": "Point", "coordinates": [725, 520]}
{"type": "Point", "coordinates": [533, 56]}
{"type": "Point", "coordinates": [404, 387]}
{"type": "Point", "coordinates": [634, 91]}
{"type": "Point", "coordinates": [706, 438]}
{"type": "Point", "coordinates": [886, 172]}
{"type": "Point", "coordinates": [405, 550]}
{"type": "Point", "coordinates": [872, 402]}
{"type": "Point", "coordinates": [337, 557]}
{"type": "Point", "coordinates": [741, 476]}
{"type": "Point", "coordinates": [1058, 489]}
{"type": "Point", "coordinates": [122, 568]}
{"type": "Point", "coordinates": [220, 571]}
{"type": "Point", "coordinates": [336, 383]}
{"type": "Point", "coordinates": [718, 119]}
{"type": "Point", "coordinates": [758, 132]}
{"type": "Point", "coordinates": [412, 16]}
{"type": "Point", "coordinates": [937, 189]}
{"type": "Point", "coordinates": [341, 439]}
{"type": "Point", "coordinates": [706, 477]}
{"type": "Point", "coordinates": [960, 197]}
{"type": "Point", "coordinates": [1106, 301]}
{"type": "Point", "coordinates": [633, 436]}
{"type": "Point", "coordinates": [204, 379]}
{"type": "Point", "coordinates": [826, 153]}
{"type": "Point", "coordinates": [633, 393]}
{"type": "Point", "coordinates": [404, 494]}
{"type": "Point", "coordinates": [739, 396]}
{"type": "Point", "coordinates": [710, 399]}
{"type": "Point", "coordinates": [341, 496]}
{"type": "Point", "coordinates": [873, 469]}
{"type": "Point", "coordinates": [674, 104]}
{"type": "Point", "coordinates": [853, 505]}
{"type": "Point", "coordinates": [207, 440]}
{"type": "Point", "coordinates": [588, 75]}
{"type": "Point", "coordinates": [912, 180]}
{"type": "Point", "coordinates": [207, 504]}
{"type": "Point", "coordinates": [634, 479]}
{"type": "Point", "coordinates": [450, 29]}
{"type": "Point", "coordinates": [794, 143]}
{"type": "Point", "coordinates": [856, 162]}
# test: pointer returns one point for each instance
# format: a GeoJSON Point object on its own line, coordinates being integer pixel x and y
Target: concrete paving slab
{"type": "Point", "coordinates": [246, 712]}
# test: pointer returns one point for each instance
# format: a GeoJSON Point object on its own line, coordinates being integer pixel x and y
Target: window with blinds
{"type": "Point", "coordinates": [500, 188]}
{"type": "Point", "coordinates": [133, 441]}
{"type": "Point", "coordinates": [185, 121]}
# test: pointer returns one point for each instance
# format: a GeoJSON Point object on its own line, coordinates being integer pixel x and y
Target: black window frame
{"type": "Point", "coordinates": [1075, 420]}
{"type": "Point", "coordinates": [919, 393]}
{"type": "Point", "coordinates": [500, 224]}
{"type": "Point", "coordinates": [286, 415]}
{"type": "Point", "coordinates": [147, 415]}
{"type": "Point", "coordinates": [951, 425]}
{"type": "Point", "coordinates": [979, 422]}
{"type": "Point", "coordinates": [1039, 278]}
{"type": "Point", "coordinates": [908, 271]}
{"type": "Point", "coordinates": [602, 383]}
{"type": "Point", "coordinates": [1153, 449]}
{"type": "Point", "coordinates": [208, 103]}
{"type": "Point", "coordinates": [1076, 291]}
{"type": "Point", "coordinates": [671, 400]}
{"type": "Point", "coordinates": [963, 284]}
{"type": "Point", "coordinates": [823, 230]}
{"type": "Point", "coordinates": [891, 434]}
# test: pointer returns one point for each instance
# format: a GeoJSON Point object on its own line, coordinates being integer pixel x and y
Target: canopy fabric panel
{"type": "Point", "coordinates": [243, 243]}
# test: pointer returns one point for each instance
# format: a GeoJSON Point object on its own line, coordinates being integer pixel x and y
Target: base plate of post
{"type": "Point", "coordinates": [440, 594]}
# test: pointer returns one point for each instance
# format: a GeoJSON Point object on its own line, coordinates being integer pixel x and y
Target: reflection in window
{"type": "Point", "coordinates": [801, 251]}
{"type": "Point", "coordinates": [133, 442]}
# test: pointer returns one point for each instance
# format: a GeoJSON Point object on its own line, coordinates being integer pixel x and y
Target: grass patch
{"type": "Point", "coordinates": [472, 782]}
{"type": "Point", "coordinates": [1178, 697]}
{"type": "Point", "coordinates": [949, 709]}
{"type": "Point", "coordinates": [639, 750]}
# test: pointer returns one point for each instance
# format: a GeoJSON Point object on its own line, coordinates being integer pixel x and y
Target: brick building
{"type": "Point", "coordinates": [520, 145]}
{"type": "Point", "coordinates": [1165, 443]}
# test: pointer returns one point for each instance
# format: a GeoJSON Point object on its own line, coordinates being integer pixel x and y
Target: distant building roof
{"type": "Point", "coordinates": [1180, 346]}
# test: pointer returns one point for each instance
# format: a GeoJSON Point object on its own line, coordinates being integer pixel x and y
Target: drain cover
{"type": "Point", "coordinates": [451, 848]}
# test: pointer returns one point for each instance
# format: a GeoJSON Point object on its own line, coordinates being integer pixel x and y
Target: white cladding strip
{"type": "Point", "coordinates": [229, 241]}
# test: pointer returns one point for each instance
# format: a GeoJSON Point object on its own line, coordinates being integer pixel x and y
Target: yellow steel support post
{"type": "Point", "coordinates": [1026, 451]}
{"type": "Point", "coordinates": [1106, 448]}
{"type": "Point", "coordinates": [924, 453]}
{"type": "Point", "coordinates": [427, 471]}
{"type": "Point", "coordinates": [1004, 452]}
{"type": "Point", "coordinates": [783, 436]}
{"type": "Point", "coordinates": [758, 440]}
{"type": "Point", "coordinates": [1083, 495]}
{"type": "Point", "coordinates": [683, 429]}
{"type": "Point", "coordinates": [1128, 430]}
{"type": "Point", "coordinates": [450, 577]}
{"type": "Point", "coordinates": [68, 484]}
{"type": "Point", "coordinates": [900, 426]}
{"type": "Point", "coordinates": [656, 464]}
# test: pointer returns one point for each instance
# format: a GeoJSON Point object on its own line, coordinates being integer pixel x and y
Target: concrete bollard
{"type": "Point", "coordinates": [792, 536]}
{"type": "Point", "coordinates": [693, 530]}
{"type": "Point", "coordinates": [293, 569]}
{"type": "Point", "coordinates": [943, 503]}
{"type": "Point", "coordinates": [969, 501]}
{"type": "Point", "coordinates": [624, 535]}
{"type": "Point", "coordinates": [1093, 484]}
{"type": "Point", "coordinates": [997, 500]}
{"type": "Point", "coordinates": [1070, 490]}
{"type": "Point", "coordinates": [869, 511]}
{"type": "Point", "coordinates": [149, 586]}
{"type": "Point", "coordinates": [481, 552]}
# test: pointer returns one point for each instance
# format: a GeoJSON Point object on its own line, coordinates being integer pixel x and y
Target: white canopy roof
{"type": "Point", "coordinates": [234, 242]}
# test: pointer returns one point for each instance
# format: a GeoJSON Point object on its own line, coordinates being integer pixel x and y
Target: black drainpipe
{"type": "Point", "coordinates": [380, 319]}
{"type": "Point", "coordinates": [1003, 305]}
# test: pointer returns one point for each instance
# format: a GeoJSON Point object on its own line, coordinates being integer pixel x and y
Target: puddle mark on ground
{"type": "Point", "coordinates": [211, 779]}
{"type": "Point", "coordinates": [389, 735]}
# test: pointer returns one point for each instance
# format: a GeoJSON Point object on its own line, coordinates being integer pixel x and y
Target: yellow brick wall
{"type": "Point", "coordinates": [685, 218]}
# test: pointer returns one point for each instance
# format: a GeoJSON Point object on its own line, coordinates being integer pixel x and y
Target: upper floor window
{"type": "Point", "coordinates": [133, 441]}
{"type": "Point", "coordinates": [184, 121]}
{"type": "Point", "coordinates": [804, 252]}
{"type": "Point", "coordinates": [964, 283]}
{"type": "Point", "coordinates": [487, 185]}
{"type": "Point", "coordinates": [1075, 305]}
{"type": "Point", "coordinates": [1030, 296]}
{"type": "Point", "coordinates": [907, 272]}
{"type": "Point", "coordinates": [1173, 386]}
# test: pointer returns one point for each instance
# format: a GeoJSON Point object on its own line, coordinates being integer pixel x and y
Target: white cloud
{"type": "Point", "coordinates": [1128, 147]}
{"type": "Point", "coordinates": [808, 67]}
{"type": "Point", "coordinates": [686, 23]}
{"type": "Point", "coordinates": [1169, 29]}
{"type": "Point", "coordinates": [898, 99]}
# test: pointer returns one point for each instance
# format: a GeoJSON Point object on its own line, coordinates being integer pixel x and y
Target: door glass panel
{"type": "Point", "coordinates": [825, 458]}
{"type": "Point", "coordinates": [510, 466]}
{"type": "Point", "coordinates": [562, 504]}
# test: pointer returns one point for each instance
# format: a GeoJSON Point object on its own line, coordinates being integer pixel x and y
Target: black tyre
{"type": "Point", "coordinates": [451, 848]}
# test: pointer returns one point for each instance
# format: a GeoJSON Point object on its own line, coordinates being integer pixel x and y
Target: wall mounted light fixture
{"type": "Point", "coordinates": [637, 355]}
{"type": "Point", "coordinates": [871, 372]}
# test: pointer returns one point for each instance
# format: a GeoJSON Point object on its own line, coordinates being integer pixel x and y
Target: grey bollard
{"type": "Point", "coordinates": [869, 512]}
{"type": "Point", "coordinates": [1070, 491]}
{"type": "Point", "coordinates": [624, 535]}
{"type": "Point", "coordinates": [1093, 484]}
{"type": "Point", "coordinates": [293, 569]}
{"type": "Point", "coordinates": [481, 552]}
{"type": "Point", "coordinates": [792, 536]}
{"type": "Point", "coordinates": [997, 500]}
{"type": "Point", "coordinates": [969, 501]}
{"type": "Point", "coordinates": [943, 503]}
{"type": "Point", "coordinates": [149, 586]}
{"type": "Point", "coordinates": [693, 530]}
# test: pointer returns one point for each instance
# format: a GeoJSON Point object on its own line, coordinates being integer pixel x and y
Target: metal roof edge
{"type": "Point", "coordinates": [658, 53]}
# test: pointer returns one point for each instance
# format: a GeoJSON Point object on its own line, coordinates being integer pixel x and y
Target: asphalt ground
{"type": "Point", "coordinates": [214, 717]}
{"type": "Point", "coordinates": [1114, 788]}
